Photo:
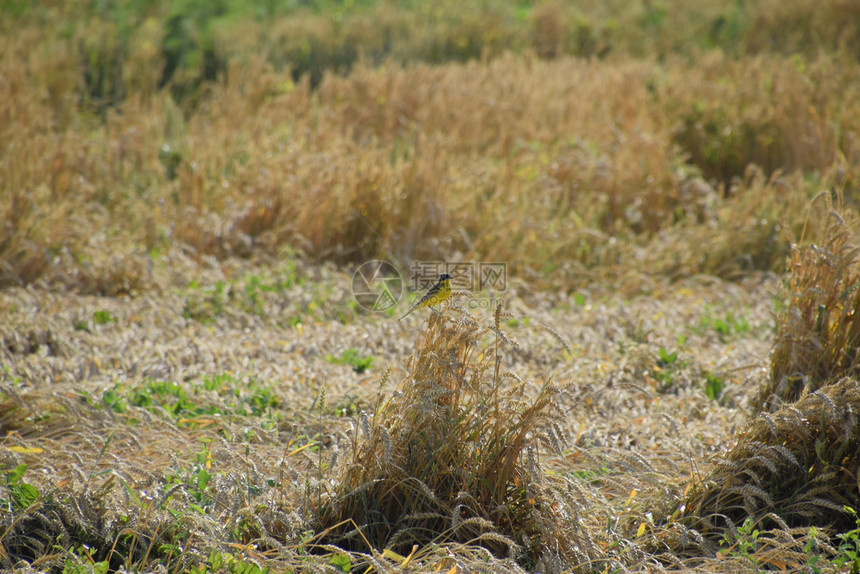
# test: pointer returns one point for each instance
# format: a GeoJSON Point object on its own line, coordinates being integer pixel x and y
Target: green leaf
{"type": "Point", "coordinates": [130, 492]}
{"type": "Point", "coordinates": [24, 495]}
{"type": "Point", "coordinates": [102, 317]}
{"type": "Point", "coordinates": [714, 386]}
{"type": "Point", "coordinates": [353, 358]}
{"type": "Point", "coordinates": [666, 357]}
{"type": "Point", "coordinates": [216, 560]}
{"type": "Point", "coordinates": [341, 562]}
{"type": "Point", "coordinates": [16, 474]}
{"type": "Point", "coordinates": [203, 477]}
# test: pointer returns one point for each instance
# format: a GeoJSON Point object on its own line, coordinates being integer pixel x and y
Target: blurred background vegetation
{"type": "Point", "coordinates": [127, 46]}
{"type": "Point", "coordinates": [570, 139]}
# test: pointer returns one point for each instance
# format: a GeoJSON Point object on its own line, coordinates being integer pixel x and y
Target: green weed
{"type": "Point", "coordinates": [210, 306]}
{"type": "Point", "coordinates": [666, 369]}
{"type": "Point", "coordinates": [103, 317]}
{"type": "Point", "coordinates": [249, 293]}
{"type": "Point", "coordinates": [812, 560]}
{"type": "Point", "coordinates": [347, 406]}
{"type": "Point", "coordinates": [590, 474]}
{"type": "Point", "coordinates": [666, 358]}
{"type": "Point", "coordinates": [80, 561]}
{"type": "Point", "coordinates": [745, 544]}
{"type": "Point", "coordinates": [352, 357]}
{"type": "Point", "coordinates": [184, 403]}
{"type": "Point", "coordinates": [726, 326]}
{"type": "Point", "coordinates": [21, 494]}
{"type": "Point", "coordinates": [848, 552]}
{"type": "Point", "coordinates": [714, 386]}
{"type": "Point", "coordinates": [248, 397]}
{"type": "Point", "coordinates": [341, 562]}
{"type": "Point", "coordinates": [196, 478]}
{"type": "Point", "coordinates": [253, 303]}
{"type": "Point", "coordinates": [224, 562]}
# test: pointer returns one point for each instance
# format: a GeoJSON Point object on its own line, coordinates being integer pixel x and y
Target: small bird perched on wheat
{"type": "Point", "coordinates": [434, 296]}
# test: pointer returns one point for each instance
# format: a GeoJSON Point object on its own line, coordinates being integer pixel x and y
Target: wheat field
{"type": "Point", "coordinates": [667, 381]}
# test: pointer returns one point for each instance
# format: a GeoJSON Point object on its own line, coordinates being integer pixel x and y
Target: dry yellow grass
{"type": "Point", "coordinates": [817, 336]}
{"type": "Point", "coordinates": [563, 168]}
{"type": "Point", "coordinates": [151, 397]}
{"type": "Point", "coordinates": [452, 456]}
{"type": "Point", "coordinates": [175, 182]}
{"type": "Point", "coordinates": [787, 472]}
